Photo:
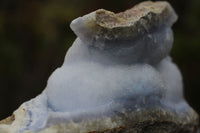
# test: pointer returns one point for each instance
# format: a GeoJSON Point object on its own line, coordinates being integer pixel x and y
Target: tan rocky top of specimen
{"type": "Point", "coordinates": [101, 25]}
{"type": "Point", "coordinates": [150, 11]}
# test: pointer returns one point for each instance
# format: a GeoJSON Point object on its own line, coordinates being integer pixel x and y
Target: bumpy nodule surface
{"type": "Point", "coordinates": [118, 72]}
{"type": "Point", "coordinates": [85, 84]}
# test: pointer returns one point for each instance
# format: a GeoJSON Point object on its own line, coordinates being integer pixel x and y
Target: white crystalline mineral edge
{"type": "Point", "coordinates": [93, 83]}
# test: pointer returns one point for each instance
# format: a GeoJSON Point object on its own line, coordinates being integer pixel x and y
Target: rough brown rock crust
{"type": "Point", "coordinates": [102, 25]}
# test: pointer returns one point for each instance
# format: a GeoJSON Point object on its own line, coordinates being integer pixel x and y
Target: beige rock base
{"type": "Point", "coordinates": [143, 121]}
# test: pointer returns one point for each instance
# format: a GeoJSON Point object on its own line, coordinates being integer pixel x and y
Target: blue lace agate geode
{"type": "Point", "coordinates": [116, 77]}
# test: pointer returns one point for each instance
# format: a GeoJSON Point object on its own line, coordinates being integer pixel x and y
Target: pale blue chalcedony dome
{"type": "Point", "coordinates": [118, 65]}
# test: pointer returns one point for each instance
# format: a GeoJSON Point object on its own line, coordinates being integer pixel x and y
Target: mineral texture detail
{"type": "Point", "coordinates": [117, 77]}
{"type": "Point", "coordinates": [103, 25]}
{"type": "Point", "coordinates": [123, 36]}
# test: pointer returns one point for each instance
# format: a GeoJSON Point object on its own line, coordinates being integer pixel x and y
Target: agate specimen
{"type": "Point", "coordinates": [117, 77]}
